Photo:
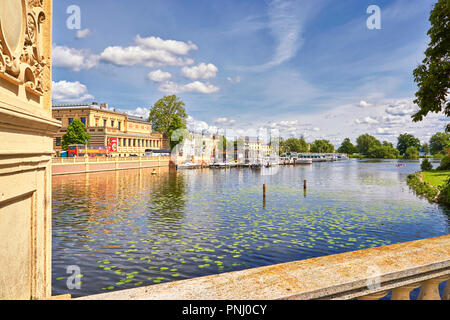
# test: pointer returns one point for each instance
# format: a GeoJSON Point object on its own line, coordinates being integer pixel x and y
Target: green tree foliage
{"type": "Point", "coordinates": [445, 163]}
{"type": "Point", "coordinates": [433, 75]}
{"type": "Point", "coordinates": [175, 124]}
{"type": "Point", "coordinates": [295, 145]}
{"type": "Point", "coordinates": [407, 140]}
{"type": "Point", "coordinates": [426, 165]}
{"type": "Point", "coordinates": [365, 142]}
{"type": "Point", "coordinates": [439, 142]}
{"type": "Point", "coordinates": [347, 147]}
{"type": "Point", "coordinates": [426, 148]}
{"type": "Point", "coordinates": [76, 134]}
{"type": "Point", "coordinates": [322, 146]}
{"type": "Point", "coordinates": [163, 112]}
{"type": "Point", "coordinates": [411, 153]}
{"type": "Point", "coordinates": [383, 151]}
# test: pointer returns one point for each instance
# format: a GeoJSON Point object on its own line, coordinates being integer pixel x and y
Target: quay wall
{"type": "Point", "coordinates": [63, 166]}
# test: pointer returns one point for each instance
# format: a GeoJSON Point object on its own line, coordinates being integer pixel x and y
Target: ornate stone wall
{"type": "Point", "coordinates": [26, 147]}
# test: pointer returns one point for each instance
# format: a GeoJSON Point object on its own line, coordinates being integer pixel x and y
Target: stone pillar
{"type": "Point", "coordinates": [26, 148]}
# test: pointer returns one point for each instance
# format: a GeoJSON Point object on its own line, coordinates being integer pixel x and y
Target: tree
{"type": "Point", "coordinates": [433, 75]}
{"type": "Point", "coordinates": [296, 145]}
{"type": "Point", "coordinates": [411, 153]}
{"type": "Point", "coordinates": [365, 142]}
{"type": "Point", "coordinates": [76, 134]}
{"type": "Point", "coordinates": [407, 140]}
{"type": "Point", "coordinates": [322, 146]}
{"type": "Point", "coordinates": [385, 151]}
{"type": "Point", "coordinates": [439, 141]}
{"type": "Point", "coordinates": [426, 148]}
{"type": "Point", "coordinates": [175, 125]}
{"type": "Point", "coordinates": [163, 112]}
{"type": "Point", "coordinates": [347, 147]}
{"type": "Point", "coordinates": [426, 165]}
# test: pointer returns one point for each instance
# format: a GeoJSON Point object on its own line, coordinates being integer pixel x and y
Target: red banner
{"type": "Point", "coordinates": [112, 144]}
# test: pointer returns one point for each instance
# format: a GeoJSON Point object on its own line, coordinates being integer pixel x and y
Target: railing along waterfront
{"type": "Point", "coordinates": [369, 274]}
{"type": "Point", "coordinates": [74, 165]}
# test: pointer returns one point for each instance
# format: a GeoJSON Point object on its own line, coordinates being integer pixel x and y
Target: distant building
{"type": "Point", "coordinates": [123, 134]}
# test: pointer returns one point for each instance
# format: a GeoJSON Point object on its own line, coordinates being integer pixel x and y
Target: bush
{"type": "Point", "coordinates": [445, 163]}
{"type": "Point", "coordinates": [412, 153]}
{"type": "Point", "coordinates": [426, 165]}
{"type": "Point", "coordinates": [444, 197]}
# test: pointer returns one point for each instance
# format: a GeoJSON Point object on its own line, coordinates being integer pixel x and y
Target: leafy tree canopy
{"type": "Point", "coordinates": [322, 146]}
{"type": "Point", "coordinates": [175, 124]}
{"type": "Point", "coordinates": [439, 142]}
{"type": "Point", "coordinates": [347, 147]}
{"type": "Point", "coordinates": [411, 153]}
{"type": "Point", "coordinates": [294, 145]}
{"type": "Point", "coordinates": [365, 142]}
{"type": "Point", "coordinates": [405, 141]}
{"type": "Point", "coordinates": [76, 134]}
{"type": "Point", "coordinates": [426, 148]}
{"type": "Point", "coordinates": [163, 112]}
{"type": "Point", "coordinates": [433, 75]}
{"type": "Point", "coordinates": [385, 151]}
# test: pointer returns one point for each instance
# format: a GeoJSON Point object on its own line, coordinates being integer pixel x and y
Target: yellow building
{"type": "Point", "coordinates": [125, 135]}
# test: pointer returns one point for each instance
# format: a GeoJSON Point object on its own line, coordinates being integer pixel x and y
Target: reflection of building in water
{"type": "Point", "coordinates": [123, 134]}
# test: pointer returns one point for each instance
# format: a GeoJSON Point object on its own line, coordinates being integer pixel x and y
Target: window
{"type": "Point", "coordinates": [104, 122]}
{"type": "Point", "coordinates": [112, 123]}
{"type": "Point", "coordinates": [70, 121]}
{"type": "Point", "coordinates": [58, 141]}
{"type": "Point", "coordinates": [120, 125]}
{"type": "Point", "coordinates": [83, 120]}
{"type": "Point", "coordinates": [59, 119]}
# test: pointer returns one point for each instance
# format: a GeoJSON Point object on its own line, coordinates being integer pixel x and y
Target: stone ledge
{"type": "Point", "coordinates": [341, 276]}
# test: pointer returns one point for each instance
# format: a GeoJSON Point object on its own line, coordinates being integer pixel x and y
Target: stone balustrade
{"type": "Point", "coordinates": [369, 274]}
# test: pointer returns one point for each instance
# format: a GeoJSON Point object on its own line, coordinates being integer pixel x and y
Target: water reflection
{"type": "Point", "coordinates": [131, 228]}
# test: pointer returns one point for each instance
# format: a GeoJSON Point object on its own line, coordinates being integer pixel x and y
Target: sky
{"type": "Point", "coordinates": [302, 67]}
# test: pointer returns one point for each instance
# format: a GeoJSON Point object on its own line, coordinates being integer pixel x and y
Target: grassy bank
{"type": "Point", "coordinates": [432, 185]}
{"type": "Point", "coordinates": [436, 178]}
{"type": "Point", "coordinates": [422, 188]}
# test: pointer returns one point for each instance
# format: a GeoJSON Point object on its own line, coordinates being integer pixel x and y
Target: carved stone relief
{"type": "Point", "coordinates": [21, 59]}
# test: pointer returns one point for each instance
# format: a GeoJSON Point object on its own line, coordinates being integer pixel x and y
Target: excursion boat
{"type": "Point", "coordinates": [304, 161]}
{"type": "Point", "coordinates": [187, 165]}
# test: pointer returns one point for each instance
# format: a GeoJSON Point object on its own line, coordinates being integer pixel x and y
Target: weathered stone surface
{"type": "Point", "coordinates": [342, 276]}
{"type": "Point", "coordinates": [26, 130]}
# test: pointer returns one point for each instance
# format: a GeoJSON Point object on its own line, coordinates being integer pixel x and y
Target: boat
{"type": "Point", "coordinates": [187, 165]}
{"type": "Point", "coordinates": [304, 161]}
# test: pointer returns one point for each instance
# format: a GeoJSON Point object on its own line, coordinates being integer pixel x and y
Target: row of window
{"type": "Point", "coordinates": [127, 142]}
{"type": "Point", "coordinates": [83, 120]}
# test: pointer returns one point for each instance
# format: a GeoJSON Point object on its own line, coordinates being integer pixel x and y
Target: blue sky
{"type": "Point", "coordinates": [305, 67]}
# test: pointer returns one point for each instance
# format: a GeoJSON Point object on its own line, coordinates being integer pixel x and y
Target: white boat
{"type": "Point", "coordinates": [304, 161]}
{"type": "Point", "coordinates": [187, 165]}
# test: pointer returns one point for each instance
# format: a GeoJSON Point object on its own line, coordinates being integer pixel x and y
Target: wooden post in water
{"type": "Point", "coordinates": [305, 183]}
{"type": "Point", "coordinates": [264, 195]}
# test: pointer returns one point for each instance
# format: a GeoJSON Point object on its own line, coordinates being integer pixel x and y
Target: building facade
{"type": "Point", "coordinates": [124, 135]}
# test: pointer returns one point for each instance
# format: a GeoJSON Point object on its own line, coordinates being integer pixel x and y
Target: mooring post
{"type": "Point", "coordinates": [305, 184]}
{"type": "Point", "coordinates": [264, 191]}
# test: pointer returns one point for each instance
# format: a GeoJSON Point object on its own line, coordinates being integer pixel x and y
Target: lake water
{"type": "Point", "coordinates": [129, 228]}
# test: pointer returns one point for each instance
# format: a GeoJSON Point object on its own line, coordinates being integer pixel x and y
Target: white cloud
{"type": "Point", "coordinates": [138, 112]}
{"type": "Point", "coordinates": [199, 126]}
{"type": "Point", "coordinates": [385, 132]}
{"type": "Point", "coordinates": [70, 92]}
{"type": "Point", "coordinates": [159, 76]}
{"type": "Point", "coordinates": [151, 52]}
{"type": "Point", "coordinates": [237, 79]}
{"type": "Point", "coordinates": [224, 122]}
{"type": "Point", "coordinates": [73, 59]}
{"type": "Point", "coordinates": [196, 86]}
{"type": "Point", "coordinates": [83, 33]}
{"type": "Point", "coordinates": [172, 46]}
{"type": "Point", "coordinates": [201, 71]}
{"type": "Point", "coordinates": [367, 120]}
{"type": "Point", "coordinates": [401, 108]}
{"type": "Point", "coordinates": [364, 104]}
